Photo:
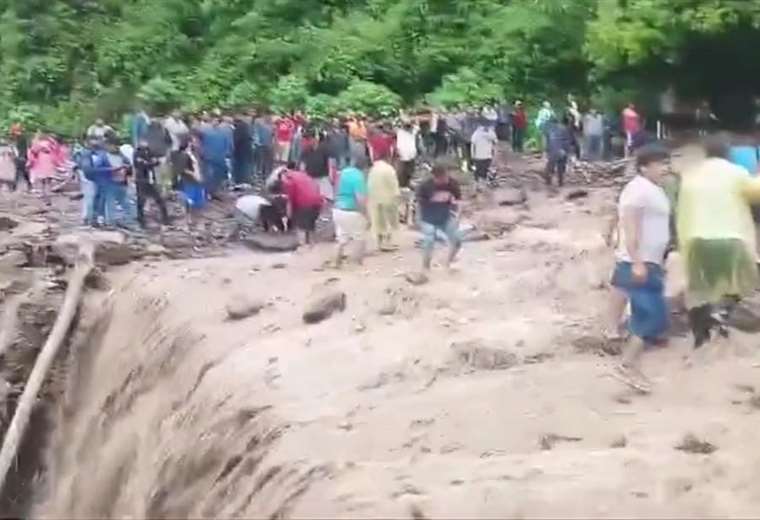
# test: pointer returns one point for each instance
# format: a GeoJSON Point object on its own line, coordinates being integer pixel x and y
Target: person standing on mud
{"type": "Point", "coordinates": [716, 238]}
{"type": "Point", "coordinates": [559, 146]}
{"type": "Point", "coordinates": [483, 149]}
{"type": "Point", "coordinates": [384, 195]}
{"type": "Point", "coordinates": [146, 182]}
{"type": "Point", "coordinates": [438, 199]}
{"type": "Point", "coordinates": [644, 236]}
{"type": "Point", "coordinates": [519, 125]}
{"type": "Point", "coordinates": [349, 212]}
{"type": "Point", "coordinates": [21, 140]}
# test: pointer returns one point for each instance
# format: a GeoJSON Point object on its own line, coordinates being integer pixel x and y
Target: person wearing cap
{"type": "Point", "coordinates": [643, 238]}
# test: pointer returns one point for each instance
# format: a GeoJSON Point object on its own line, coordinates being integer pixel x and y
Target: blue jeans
{"type": "Point", "coordinates": [450, 230]}
{"type": "Point", "coordinates": [117, 194]}
{"type": "Point", "coordinates": [242, 168]}
{"type": "Point", "coordinates": [649, 310]}
{"type": "Point", "coordinates": [89, 190]}
{"type": "Point", "coordinates": [215, 173]}
{"type": "Point", "coordinates": [593, 148]}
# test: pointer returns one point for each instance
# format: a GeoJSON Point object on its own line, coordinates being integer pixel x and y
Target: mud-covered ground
{"type": "Point", "coordinates": [478, 394]}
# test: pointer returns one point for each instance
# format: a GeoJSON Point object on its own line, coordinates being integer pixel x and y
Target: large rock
{"type": "Point", "coordinates": [324, 305]}
{"type": "Point", "coordinates": [510, 196]}
{"type": "Point", "coordinates": [13, 259]}
{"type": "Point", "coordinates": [111, 247]}
{"type": "Point", "coordinates": [242, 307]}
{"type": "Point", "coordinates": [271, 242]}
{"type": "Point", "coordinates": [7, 224]}
{"type": "Point", "coordinates": [495, 222]}
{"type": "Point", "coordinates": [476, 355]}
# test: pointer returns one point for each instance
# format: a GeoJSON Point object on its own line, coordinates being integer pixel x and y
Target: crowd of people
{"type": "Point", "coordinates": [293, 171]}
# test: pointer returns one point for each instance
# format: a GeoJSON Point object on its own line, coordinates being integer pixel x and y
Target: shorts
{"type": "Point", "coordinates": [649, 310]}
{"type": "Point", "coordinates": [349, 226]}
{"type": "Point", "coordinates": [305, 219]}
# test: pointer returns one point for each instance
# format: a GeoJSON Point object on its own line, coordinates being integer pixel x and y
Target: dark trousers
{"type": "Point", "coordinates": [502, 131]}
{"type": "Point", "coordinates": [518, 139]}
{"type": "Point", "coordinates": [558, 166]}
{"type": "Point", "coordinates": [147, 191]}
{"type": "Point", "coordinates": [441, 144]}
{"type": "Point", "coordinates": [22, 173]}
{"type": "Point", "coordinates": [264, 161]}
{"type": "Point", "coordinates": [481, 168]}
{"type": "Point", "coordinates": [241, 169]}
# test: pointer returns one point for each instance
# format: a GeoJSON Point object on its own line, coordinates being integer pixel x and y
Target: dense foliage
{"type": "Point", "coordinates": [65, 61]}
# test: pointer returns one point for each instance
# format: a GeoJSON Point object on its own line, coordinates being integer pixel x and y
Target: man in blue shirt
{"type": "Point", "coordinates": [349, 212]}
{"type": "Point", "coordinates": [216, 147]}
{"type": "Point", "coordinates": [263, 131]}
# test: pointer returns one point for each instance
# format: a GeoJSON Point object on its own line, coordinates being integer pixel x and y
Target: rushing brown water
{"type": "Point", "coordinates": [134, 437]}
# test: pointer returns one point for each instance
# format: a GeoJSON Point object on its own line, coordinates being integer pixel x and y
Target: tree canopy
{"type": "Point", "coordinates": [65, 61]}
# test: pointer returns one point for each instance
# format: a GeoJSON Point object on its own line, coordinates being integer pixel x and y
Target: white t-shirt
{"type": "Point", "coordinates": [128, 151]}
{"type": "Point", "coordinates": [406, 145]}
{"type": "Point", "coordinates": [651, 200]}
{"type": "Point", "coordinates": [250, 205]}
{"type": "Point", "coordinates": [483, 142]}
{"type": "Point", "coordinates": [177, 131]}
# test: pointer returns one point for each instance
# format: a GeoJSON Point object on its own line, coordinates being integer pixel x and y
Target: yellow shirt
{"type": "Point", "coordinates": [382, 184]}
{"type": "Point", "coordinates": [714, 202]}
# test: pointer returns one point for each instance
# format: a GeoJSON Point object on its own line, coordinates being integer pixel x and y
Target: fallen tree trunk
{"type": "Point", "coordinates": [17, 428]}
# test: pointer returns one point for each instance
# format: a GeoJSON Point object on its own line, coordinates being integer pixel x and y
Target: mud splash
{"type": "Point", "coordinates": [137, 435]}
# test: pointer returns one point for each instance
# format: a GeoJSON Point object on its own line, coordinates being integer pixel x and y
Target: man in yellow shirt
{"type": "Point", "coordinates": [716, 236]}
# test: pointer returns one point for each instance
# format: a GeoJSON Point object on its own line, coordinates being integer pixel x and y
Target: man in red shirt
{"type": "Point", "coordinates": [519, 124]}
{"type": "Point", "coordinates": [381, 144]}
{"type": "Point", "coordinates": [304, 202]}
{"type": "Point", "coordinates": [284, 130]}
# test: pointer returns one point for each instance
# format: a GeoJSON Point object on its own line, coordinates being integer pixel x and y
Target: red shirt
{"type": "Point", "coordinates": [284, 130]}
{"type": "Point", "coordinates": [520, 120]}
{"type": "Point", "coordinates": [301, 189]}
{"type": "Point", "coordinates": [381, 145]}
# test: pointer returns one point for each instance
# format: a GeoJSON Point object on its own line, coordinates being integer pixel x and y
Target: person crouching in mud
{"type": "Point", "coordinates": [716, 238]}
{"type": "Point", "coordinates": [644, 231]}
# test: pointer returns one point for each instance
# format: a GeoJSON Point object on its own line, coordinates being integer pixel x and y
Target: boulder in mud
{"type": "Point", "coordinates": [495, 222]}
{"type": "Point", "coordinates": [242, 307]}
{"type": "Point", "coordinates": [13, 259]}
{"type": "Point", "coordinates": [417, 278]}
{"type": "Point", "coordinates": [692, 444]}
{"type": "Point", "coordinates": [6, 223]}
{"type": "Point", "coordinates": [323, 305]}
{"type": "Point", "coordinates": [475, 355]}
{"type": "Point", "coordinates": [271, 243]}
{"type": "Point", "coordinates": [576, 194]}
{"type": "Point", "coordinates": [510, 196]}
{"type": "Point", "coordinates": [111, 247]}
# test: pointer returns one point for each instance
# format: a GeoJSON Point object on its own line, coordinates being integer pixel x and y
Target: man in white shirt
{"type": "Point", "coordinates": [99, 130]}
{"type": "Point", "coordinates": [643, 238]}
{"type": "Point", "coordinates": [406, 147]}
{"type": "Point", "coordinates": [483, 148]}
{"type": "Point", "coordinates": [178, 131]}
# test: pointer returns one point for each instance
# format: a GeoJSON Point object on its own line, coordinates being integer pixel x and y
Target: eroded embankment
{"type": "Point", "coordinates": [136, 437]}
